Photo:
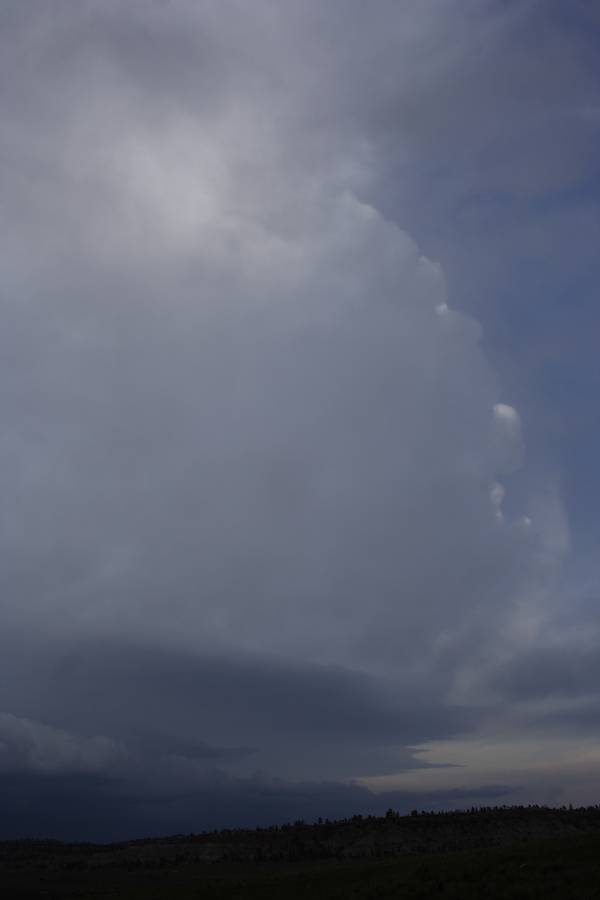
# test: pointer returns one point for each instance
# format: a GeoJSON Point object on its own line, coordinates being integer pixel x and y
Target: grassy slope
{"type": "Point", "coordinates": [560, 868]}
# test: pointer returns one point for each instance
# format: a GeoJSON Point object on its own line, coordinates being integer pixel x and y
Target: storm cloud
{"type": "Point", "coordinates": [257, 527]}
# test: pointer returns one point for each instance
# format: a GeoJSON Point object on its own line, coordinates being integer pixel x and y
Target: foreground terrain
{"type": "Point", "coordinates": [521, 853]}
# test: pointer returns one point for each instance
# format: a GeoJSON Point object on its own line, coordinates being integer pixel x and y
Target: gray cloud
{"type": "Point", "coordinates": [257, 511]}
{"type": "Point", "coordinates": [292, 718]}
{"type": "Point", "coordinates": [32, 746]}
{"type": "Point", "coordinates": [36, 807]}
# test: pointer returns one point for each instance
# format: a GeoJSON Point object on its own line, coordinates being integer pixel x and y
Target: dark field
{"type": "Point", "coordinates": [516, 862]}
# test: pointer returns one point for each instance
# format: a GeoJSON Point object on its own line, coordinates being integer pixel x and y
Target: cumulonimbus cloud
{"type": "Point", "coordinates": [240, 414]}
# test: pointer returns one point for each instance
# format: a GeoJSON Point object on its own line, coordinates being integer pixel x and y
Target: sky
{"type": "Point", "coordinates": [298, 410]}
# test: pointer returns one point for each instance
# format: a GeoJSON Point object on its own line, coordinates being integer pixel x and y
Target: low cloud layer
{"type": "Point", "coordinates": [258, 534]}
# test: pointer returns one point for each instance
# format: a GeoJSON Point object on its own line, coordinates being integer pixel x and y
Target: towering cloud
{"type": "Point", "coordinates": [252, 516]}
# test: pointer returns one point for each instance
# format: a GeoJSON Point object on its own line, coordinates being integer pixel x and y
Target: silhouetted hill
{"type": "Point", "coordinates": [170, 866]}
